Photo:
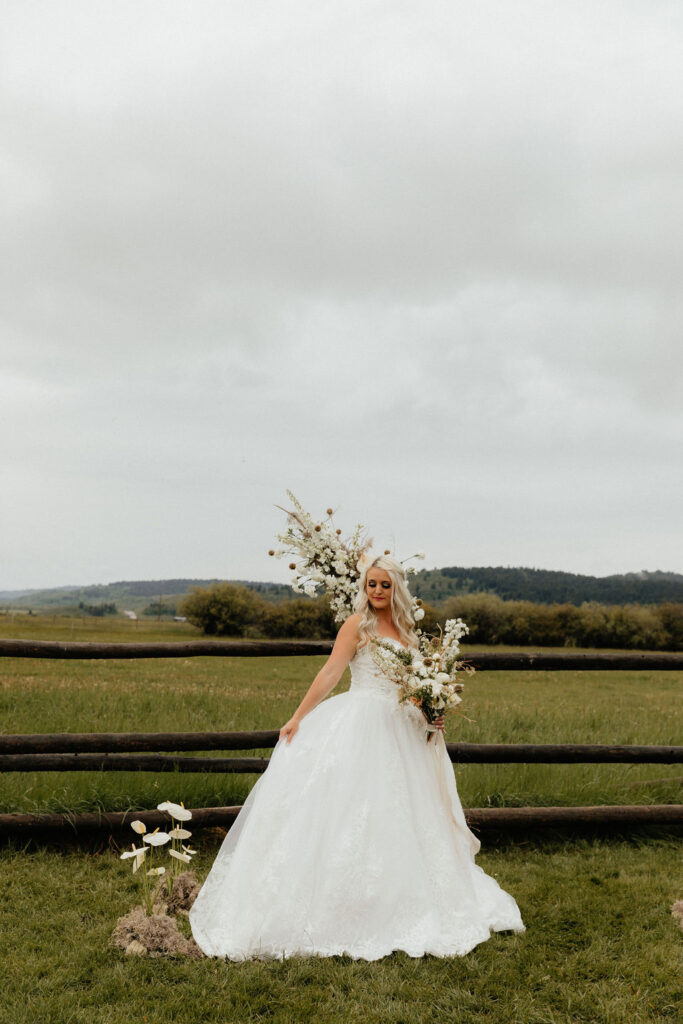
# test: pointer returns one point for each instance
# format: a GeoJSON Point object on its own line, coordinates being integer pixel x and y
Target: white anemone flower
{"type": "Point", "coordinates": [157, 838]}
{"type": "Point", "coordinates": [139, 854]}
{"type": "Point", "coordinates": [135, 852]}
{"type": "Point", "coordinates": [139, 827]}
{"type": "Point", "coordinates": [418, 614]}
{"type": "Point", "coordinates": [157, 871]}
{"type": "Point", "coordinates": [179, 833]}
{"type": "Point", "coordinates": [184, 857]}
{"type": "Point", "coordinates": [176, 811]}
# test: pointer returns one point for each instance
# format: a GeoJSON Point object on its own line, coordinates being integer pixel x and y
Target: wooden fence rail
{"type": "Point", "coordinates": [486, 660]}
{"type": "Point", "coordinates": [115, 751]}
{"type": "Point", "coordinates": [102, 751]}
{"type": "Point", "coordinates": [480, 819]}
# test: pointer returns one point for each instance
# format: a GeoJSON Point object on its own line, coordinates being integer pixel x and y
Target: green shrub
{"type": "Point", "coordinates": [224, 609]}
{"type": "Point", "coordinates": [300, 618]}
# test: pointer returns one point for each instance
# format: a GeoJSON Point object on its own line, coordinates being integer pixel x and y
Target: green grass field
{"type": "Point", "coordinates": [601, 945]}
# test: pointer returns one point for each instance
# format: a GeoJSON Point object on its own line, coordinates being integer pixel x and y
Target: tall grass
{"type": "Point", "coordinates": [196, 694]}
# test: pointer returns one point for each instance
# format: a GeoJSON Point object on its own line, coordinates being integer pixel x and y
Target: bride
{"type": "Point", "coordinates": [354, 840]}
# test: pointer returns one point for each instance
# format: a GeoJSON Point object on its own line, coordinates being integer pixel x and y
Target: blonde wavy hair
{"type": "Point", "coordinates": [401, 603]}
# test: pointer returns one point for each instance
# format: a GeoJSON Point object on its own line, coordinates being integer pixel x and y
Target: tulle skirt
{"type": "Point", "coordinates": [352, 842]}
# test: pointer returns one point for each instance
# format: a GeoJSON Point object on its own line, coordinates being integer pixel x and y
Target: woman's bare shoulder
{"type": "Point", "coordinates": [348, 633]}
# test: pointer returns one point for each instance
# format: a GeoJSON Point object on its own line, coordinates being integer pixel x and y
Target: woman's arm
{"type": "Point", "coordinates": [329, 675]}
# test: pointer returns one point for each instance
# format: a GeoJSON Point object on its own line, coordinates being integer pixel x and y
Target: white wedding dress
{"type": "Point", "coordinates": [352, 842]}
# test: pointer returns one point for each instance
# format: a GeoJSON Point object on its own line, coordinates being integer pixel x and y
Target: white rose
{"type": "Point", "coordinates": [442, 677]}
{"type": "Point", "coordinates": [418, 614]}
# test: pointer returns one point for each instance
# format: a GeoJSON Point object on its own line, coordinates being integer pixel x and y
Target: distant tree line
{"type": "Point", "coordinates": [433, 585]}
{"type": "Point", "coordinates": [657, 627]}
{"type": "Point", "coordinates": [547, 586]}
{"type": "Point", "coordinates": [225, 609]}
{"type": "Point", "coordinates": [152, 588]}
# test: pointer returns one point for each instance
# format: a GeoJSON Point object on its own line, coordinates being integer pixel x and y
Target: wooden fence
{"type": "Point", "coordinates": [123, 751]}
{"type": "Point", "coordinates": [487, 660]}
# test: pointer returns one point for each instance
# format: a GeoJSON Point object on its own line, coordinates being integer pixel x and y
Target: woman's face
{"type": "Point", "coordinates": [378, 588]}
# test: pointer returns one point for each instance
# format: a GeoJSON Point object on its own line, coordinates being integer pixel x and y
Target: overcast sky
{"type": "Point", "coordinates": [417, 261]}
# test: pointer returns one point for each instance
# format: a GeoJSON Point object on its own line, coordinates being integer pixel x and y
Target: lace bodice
{"type": "Point", "coordinates": [368, 677]}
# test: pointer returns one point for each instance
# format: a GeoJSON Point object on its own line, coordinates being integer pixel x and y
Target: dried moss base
{"type": "Point", "coordinates": [158, 934]}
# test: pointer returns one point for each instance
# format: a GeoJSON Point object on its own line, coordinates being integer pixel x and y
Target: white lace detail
{"type": "Point", "coordinates": [352, 842]}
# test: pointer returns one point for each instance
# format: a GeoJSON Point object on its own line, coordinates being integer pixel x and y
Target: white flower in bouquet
{"type": "Point", "coordinates": [322, 558]}
{"type": "Point", "coordinates": [426, 678]}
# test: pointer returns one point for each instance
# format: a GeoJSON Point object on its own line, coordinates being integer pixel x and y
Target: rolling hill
{"type": "Point", "coordinates": [543, 586]}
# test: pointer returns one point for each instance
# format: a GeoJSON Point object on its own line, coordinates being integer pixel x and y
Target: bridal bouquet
{"type": "Point", "coordinates": [426, 677]}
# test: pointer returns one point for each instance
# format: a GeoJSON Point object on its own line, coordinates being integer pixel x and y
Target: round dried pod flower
{"type": "Point", "coordinates": [318, 529]}
{"type": "Point", "coordinates": [271, 552]}
{"type": "Point", "coordinates": [307, 534]}
{"type": "Point", "coordinates": [458, 687]}
{"type": "Point", "coordinates": [387, 551]}
{"type": "Point", "coordinates": [418, 602]}
{"type": "Point", "coordinates": [428, 662]}
{"type": "Point", "coordinates": [292, 565]}
{"type": "Point", "coordinates": [329, 511]}
{"type": "Point", "coordinates": [338, 532]}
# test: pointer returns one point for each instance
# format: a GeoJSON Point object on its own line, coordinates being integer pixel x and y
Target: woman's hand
{"type": "Point", "coordinates": [289, 729]}
{"type": "Point", "coordinates": [439, 723]}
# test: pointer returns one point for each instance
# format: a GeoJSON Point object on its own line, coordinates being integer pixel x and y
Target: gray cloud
{"type": "Point", "coordinates": [421, 264]}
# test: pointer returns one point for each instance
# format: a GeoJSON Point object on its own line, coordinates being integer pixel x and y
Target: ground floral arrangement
{"type": "Point", "coordinates": [427, 677]}
{"type": "Point", "coordinates": [151, 928]}
{"type": "Point", "coordinates": [325, 561]}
